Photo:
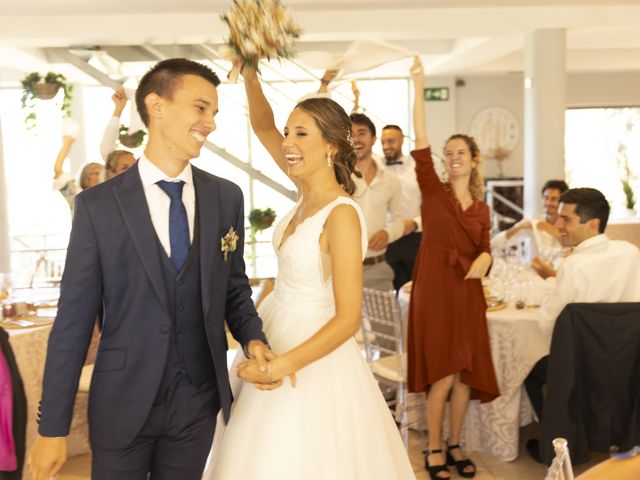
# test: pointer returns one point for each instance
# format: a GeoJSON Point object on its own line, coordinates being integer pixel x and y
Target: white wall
{"type": "Point", "coordinates": [479, 92]}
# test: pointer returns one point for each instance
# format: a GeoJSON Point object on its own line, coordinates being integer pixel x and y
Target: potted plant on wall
{"type": "Point", "coordinates": [35, 86]}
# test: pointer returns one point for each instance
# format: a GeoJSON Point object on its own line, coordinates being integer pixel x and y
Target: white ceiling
{"type": "Point", "coordinates": [455, 37]}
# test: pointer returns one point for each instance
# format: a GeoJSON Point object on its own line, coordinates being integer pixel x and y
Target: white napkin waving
{"type": "Point", "coordinates": [362, 55]}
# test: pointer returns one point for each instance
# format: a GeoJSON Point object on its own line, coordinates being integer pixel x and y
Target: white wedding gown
{"type": "Point", "coordinates": [335, 424]}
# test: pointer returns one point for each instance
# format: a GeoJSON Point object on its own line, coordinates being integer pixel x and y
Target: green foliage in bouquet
{"type": "Point", "coordinates": [260, 29]}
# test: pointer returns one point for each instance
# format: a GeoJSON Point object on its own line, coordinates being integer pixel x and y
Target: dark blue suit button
{"type": "Point", "coordinates": [181, 308]}
{"type": "Point", "coordinates": [164, 328]}
{"type": "Point", "coordinates": [181, 282]}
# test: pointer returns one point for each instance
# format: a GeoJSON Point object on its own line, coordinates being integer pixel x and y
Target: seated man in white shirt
{"type": "Point", "coordinates": [598, 270]}
{"type": "Point", "coordinates": [544, 238]}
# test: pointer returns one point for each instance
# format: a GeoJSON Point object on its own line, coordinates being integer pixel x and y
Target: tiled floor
{"type": "Point", "coordinates": [489, 468]}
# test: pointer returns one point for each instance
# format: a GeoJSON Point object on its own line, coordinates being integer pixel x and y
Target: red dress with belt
{"type": "Point", "coordinates": [447, 320]}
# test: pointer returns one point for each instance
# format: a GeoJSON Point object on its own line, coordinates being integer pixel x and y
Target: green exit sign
{"type": "Point", "coordinates": [437, 94]}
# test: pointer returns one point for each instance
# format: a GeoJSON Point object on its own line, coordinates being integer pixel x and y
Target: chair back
{"type": "Point", "coordinates": [592, 385]}
{"type": "Point", "coordinates": [560, 468]}
{"type": "Point", "coordinates": [382, 325]}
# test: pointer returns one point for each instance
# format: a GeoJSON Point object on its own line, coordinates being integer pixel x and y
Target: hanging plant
{"type": "Point", "coordinates": [131, 140]}
{"type": "Point", "coordinates": [261, 219]}
{"type": "Point", "coordinates": [34, 87]}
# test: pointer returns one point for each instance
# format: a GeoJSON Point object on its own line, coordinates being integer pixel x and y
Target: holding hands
{"type": "Point", "coordinates": [259, 368]}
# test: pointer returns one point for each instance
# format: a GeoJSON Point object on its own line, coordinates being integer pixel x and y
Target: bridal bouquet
{"type": "Point", "coordinates": [259, 29]}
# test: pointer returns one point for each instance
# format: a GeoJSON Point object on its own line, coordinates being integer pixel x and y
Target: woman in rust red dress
{"type": "Point", "coordinates": [448, 350]}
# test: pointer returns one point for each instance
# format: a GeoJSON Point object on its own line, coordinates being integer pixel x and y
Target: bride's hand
{"type": "Point", "coordinates": [247, 72]}
{"type": "Point", "coordinates": [263, 378]}
{"type": "Point", "coordinates": [251, 372]}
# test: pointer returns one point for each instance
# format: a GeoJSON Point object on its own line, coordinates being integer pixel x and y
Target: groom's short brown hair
{"type": "Point", "coordinates": [164, 77]}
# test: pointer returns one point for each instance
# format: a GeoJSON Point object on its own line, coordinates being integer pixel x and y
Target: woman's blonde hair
{"type": "Point", "coordinates": [476, 181]}
{"type": "Point", "coordinates": [86, 171]}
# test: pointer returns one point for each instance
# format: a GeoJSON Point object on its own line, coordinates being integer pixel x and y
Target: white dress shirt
{"type": "Point", "coordinates": [109, 141]}
{"type": "Point", "coordinates": [598, 270]}
{"type": "Point", "coordinates": [159, 202]}
{"type": "Point", "coordinates": [411, 196]}
{"type": "Point", "coordinates": [381, 204]}
{"type": "Point", "coordinates": [539, 243]}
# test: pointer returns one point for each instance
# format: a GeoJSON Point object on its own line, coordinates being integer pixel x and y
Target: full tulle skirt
{"type": "Point", "coordinates": [334, 425]}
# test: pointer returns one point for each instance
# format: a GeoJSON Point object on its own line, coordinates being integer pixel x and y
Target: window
{"type": "Point", "coordinates": [40, 220]}
{"type": "Point", "coordinates": [599, 142]}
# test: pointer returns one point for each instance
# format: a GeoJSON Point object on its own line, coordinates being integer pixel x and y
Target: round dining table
{"type": "Point", "coordinates": [517, 343]}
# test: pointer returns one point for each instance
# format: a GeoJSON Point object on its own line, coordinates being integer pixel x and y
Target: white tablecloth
{"type": "Point", "coordinates": [29, 346]}
{"type": "Point", "coordinates": [516, 345]}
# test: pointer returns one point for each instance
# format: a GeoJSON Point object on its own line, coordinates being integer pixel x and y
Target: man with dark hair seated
{"type": "Point", "coordinates": [598, 270]}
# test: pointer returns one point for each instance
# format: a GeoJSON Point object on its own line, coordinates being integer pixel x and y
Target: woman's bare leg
{"type": "Point", "coordinates": [460, 395]}
{"type": "Point", "coordinates": [436, 402]}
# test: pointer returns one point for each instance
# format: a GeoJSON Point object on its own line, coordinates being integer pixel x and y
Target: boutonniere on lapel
{"type": "Point", "coordinates": [229, 242]}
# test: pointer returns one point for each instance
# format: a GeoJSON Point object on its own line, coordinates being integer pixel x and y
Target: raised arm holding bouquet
{"type": "Point", "coordinates": [258, 29]}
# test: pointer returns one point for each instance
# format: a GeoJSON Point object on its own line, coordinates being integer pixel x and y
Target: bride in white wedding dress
{"type": "Point", "coordinates": [334, 423]}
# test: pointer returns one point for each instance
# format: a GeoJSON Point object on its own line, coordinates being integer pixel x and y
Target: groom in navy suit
{"type": "Point", "coordinates": [158, 249]}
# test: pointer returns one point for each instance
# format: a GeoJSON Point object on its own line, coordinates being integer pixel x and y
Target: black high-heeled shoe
{"type": "Point", "coordinates": [434, 470]}
{"type": "Point", "coordinates": [460, 465]}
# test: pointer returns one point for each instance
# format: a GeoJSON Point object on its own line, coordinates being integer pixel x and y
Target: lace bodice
{"type": "Point", "coordinates": [304, 276]}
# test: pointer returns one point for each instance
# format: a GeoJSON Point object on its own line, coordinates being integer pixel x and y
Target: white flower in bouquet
{"type": "Point", "coordinates": [259, 29]}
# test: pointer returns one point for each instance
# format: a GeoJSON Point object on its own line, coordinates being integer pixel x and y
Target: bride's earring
{"type": "Point", "coordinates": [328, 159]}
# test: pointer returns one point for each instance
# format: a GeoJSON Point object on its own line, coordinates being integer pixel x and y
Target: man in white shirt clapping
{"type": "Point", "coordinates": [598, 270]}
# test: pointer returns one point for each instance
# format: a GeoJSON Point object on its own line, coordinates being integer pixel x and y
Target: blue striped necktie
{"type": "Point", "coordinates": [178, 224]}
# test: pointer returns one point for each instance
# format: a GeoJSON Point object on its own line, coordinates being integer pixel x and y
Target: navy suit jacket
{"type": "Point", "coordinates": [112, 265]}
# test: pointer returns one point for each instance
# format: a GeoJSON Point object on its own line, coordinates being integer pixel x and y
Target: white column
{"type": "Point", "coordinates": [5, 258]}
{"type": "Point", "coordinates": [79, 154]}
{"type": "Point", "coordinates": [545, 98]}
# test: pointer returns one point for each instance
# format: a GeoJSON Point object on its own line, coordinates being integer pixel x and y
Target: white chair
{"type": "Point", "coordinates": [384, 341]}
{"type": "Point", "coordinates": [560, 468]}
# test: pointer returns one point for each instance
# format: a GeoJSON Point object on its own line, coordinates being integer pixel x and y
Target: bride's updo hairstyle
{"type": "Point", "coordinates": [335, 125]}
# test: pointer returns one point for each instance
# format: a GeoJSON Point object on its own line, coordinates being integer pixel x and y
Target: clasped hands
{"type": "Point", "coordinates": [259, 368]}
